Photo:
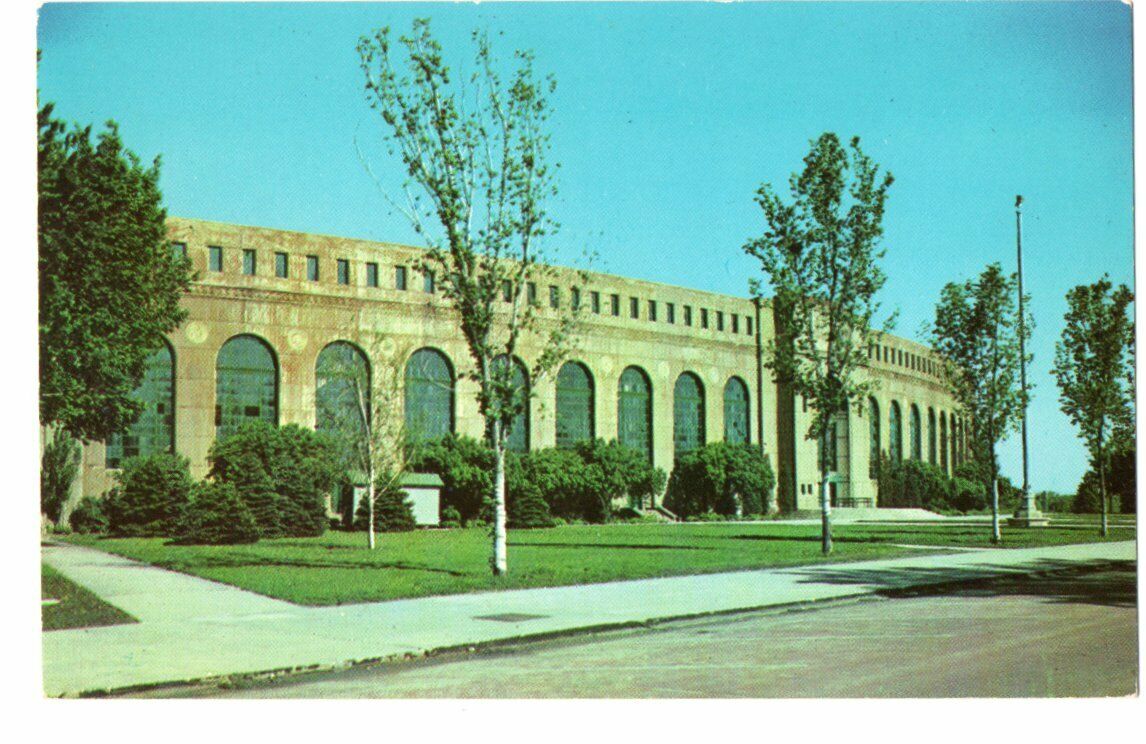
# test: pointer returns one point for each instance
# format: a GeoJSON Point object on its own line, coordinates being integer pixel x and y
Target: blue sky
{"type": "Point", "coordinates": [668, 117]}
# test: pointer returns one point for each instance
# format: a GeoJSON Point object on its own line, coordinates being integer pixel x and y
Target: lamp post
{"type": "Point", "coordinates": [1028, 514]}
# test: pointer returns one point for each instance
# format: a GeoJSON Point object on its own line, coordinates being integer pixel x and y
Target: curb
{"type": "Point", "coordinates": [247, 680]}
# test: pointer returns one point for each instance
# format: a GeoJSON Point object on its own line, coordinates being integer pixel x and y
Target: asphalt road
{"type": "Point", "coordinates": [1043, 637]}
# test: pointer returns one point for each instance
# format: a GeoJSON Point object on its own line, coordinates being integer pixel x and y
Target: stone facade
{"type": "Point", "coordinates": [713, 336]}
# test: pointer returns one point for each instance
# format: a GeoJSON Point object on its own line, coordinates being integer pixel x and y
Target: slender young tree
{"type": "Point", "coordinates": [476, 155]}
{"type": "Point", "coordinates": [820, 250]}
{"type": "Point", "coordinates": [360, 409]}
{"type": "Point", "coordinates": [1094, 368]}
{"type": "Point", "coordinates": [976, 334]}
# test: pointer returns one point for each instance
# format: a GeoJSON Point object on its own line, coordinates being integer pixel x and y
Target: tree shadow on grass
{"type": "Point", "coordinates": [247, 561]}
{"type": "Point", "coordinates": [812, 538]}
{"type": "Point", "coordinates": [1097, 582]}
{"type": "Point", "coordinates": [606, 546]}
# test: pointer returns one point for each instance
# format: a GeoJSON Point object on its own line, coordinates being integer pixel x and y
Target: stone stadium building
{"type": "Point", "coordinates": [660, 368]}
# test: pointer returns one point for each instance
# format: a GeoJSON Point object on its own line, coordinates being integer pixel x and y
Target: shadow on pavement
{"type": "Point", "coordinates": [1109, 583]}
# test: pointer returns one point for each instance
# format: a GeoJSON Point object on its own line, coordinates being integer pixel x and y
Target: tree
{"type": "Point", "coordinates": [821, 253]}
{"type": "Point", "coordinates": [1094, 368]}
{"type": "Point", "coordinates": [109, 281]}
{"type": "Point", "coordinates": [476, 160]}
{"type": "Point", "coordinates": [361, 413]}
{"type": "Point", "coordinates": [977, 335]}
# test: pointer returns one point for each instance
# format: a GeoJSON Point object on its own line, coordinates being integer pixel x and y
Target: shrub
{"type": "Point", "coordinates": [59, 464]}
{"type": "Point", "coordinates": [217, 515]}
{"type": "Point", "coordinates": [465, 466]}
{"type": "Point", "coordinates": [722, 479]}
{"type": "Point", "coordinates": [392, 511]}
{"type": "Point", "coordinates": [89, 518]}
{"type": "Point", "coordinates": [450, 517]}
{"type": "Point", "coordinates": [624, 472]}
{"type": "Point", "coordinates": [150, 497]}
{"type": "Point", "coordinates": [913, 483]}
{"type": "Point", "coordinates": [282, 474]}
{"type": "Point", "coordinates": [526, 508]}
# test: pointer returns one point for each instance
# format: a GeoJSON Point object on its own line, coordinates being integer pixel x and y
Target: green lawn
{"type": "Point", "coordinates": [338, 569]}
{"type": "Point", "coordinates": [77, 607]}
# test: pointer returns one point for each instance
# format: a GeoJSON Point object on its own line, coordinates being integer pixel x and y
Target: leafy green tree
{"type": "Point", "coordinates": [109, 281]}
{"type": "Point", "coordinates": [976, 333]}
{"type": "Point", "coordinates": [1094, 368]}
{"type": "Point", "coordinates": [476, 156]}
{"type": "Point", "coordinates": [821, 252]}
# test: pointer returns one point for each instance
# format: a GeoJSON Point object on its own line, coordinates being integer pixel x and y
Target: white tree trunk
{"type": "Point", "coordinates": [996, 536]}
{"type": "Point", "coordinates": [1102, 494]}
{"type": "Point", "coordinates": [825, 513]}
{"type": "Point", "coordinates": [499, 561]}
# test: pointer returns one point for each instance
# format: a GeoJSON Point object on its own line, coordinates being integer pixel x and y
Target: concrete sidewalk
{"type": "Point", "coordinates": [191, 628]}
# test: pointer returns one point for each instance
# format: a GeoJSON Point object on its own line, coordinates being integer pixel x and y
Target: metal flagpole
{"type": "Point", "coordinates": [1028, 514]}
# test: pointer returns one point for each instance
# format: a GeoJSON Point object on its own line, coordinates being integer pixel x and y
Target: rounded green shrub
{"type": "Point", "coordinates": [282, 474]}
{"type": "Point", "coordinates": [720, 479]}
{"type": "Point", "coordinates": [392, 510]}
{"type": "Point", "coordinates": [89, 517]}
{"type": "Point", "coordinates": [216, 515]}
{"type": "Point", "coordinates": [150, 496]}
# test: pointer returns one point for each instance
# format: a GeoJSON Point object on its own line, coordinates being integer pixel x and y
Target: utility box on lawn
{"type": "Point", "coordinates": [425, 492]}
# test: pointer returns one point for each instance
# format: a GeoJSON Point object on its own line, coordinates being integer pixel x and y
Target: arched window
{"type": "Point", "coordinates": [518, 438]}
{"type": "Point", "coordinates": [154, 430]}
{"type": "Point", "coordinates": [955, 449]}
{"type": "Point", "coordinates": [635, 411]}
{"type": "Point", "coordinates": [342, 393]}
{"type": "Point", "coordinates": [873, 438]}
{"type": "Point", "coordinates": [736, 418]}
{"type": "Point", "coordinates": [943, 440]}
{"type": "Point", "coordinates": [246, 385]}
{"type": "Point", "coordinates": [688, 413]}
{"type": "Point", "coordinates": [931, 435]}
{"type": "Point", "coordinates": [916, 434]}
{"type": "Point", "coordinates": [895, 434]}
{"type": "Point", "coordinates": [575, 405]}
{"type": "Point", "coordinates": [429, 395]}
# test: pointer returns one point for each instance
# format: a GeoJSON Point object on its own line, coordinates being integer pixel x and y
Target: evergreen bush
{"type": "Point", "coordinates": [150, 496]}
{"type": "Point", "coordinates": [722, 479]}
{"type": "Point", "coordinates": [88, 518]}
{"type": "Point", "coordinates": [217, 515]}
{"type": "Point", "coordinates": [59, 465]}
{"type": "Point", "coordinates": [282, 474]}
{"type": "Point", "coordinates": [393, 512]}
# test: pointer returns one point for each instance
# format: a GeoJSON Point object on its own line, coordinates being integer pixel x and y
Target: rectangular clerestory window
{"type": "Point", "coordinates": [670, 312]}
{"type": "Point", "coordinates": [400, 278]}
{"type": "Point", "coordinates": [215, 258]}
{"type": "Point", "coordinates": [615, 304]}
{"type": "Point", "coordinates": [428, 281]}
{"type": "Point", "coordinates": [688, 315]}
{"type": "Point", "coordinates": [574, 298]}
{"type": "Point", "coordinates": [735, 323]}
{"type": "Point", "coordinates": [634, 308]}
{"type": "Point", "coordinates": [704, 317]}
{"type": "Point", "coordinates": [720, 320]}
{"type": "Point", "coordinates": [748, 323]}
{"type": "Point", "coordinates": [506, 291]}
{"type": "Point", "coordinates": [248, 262]}
{"type": "Point", "coordinates": [312, 268]}
{"type": "Point", "coordinates": [595, 302]}
{"type": "Point", "coordinates": [281, 265]}
{"type": "Point", "coordinates": [179, 250]}
{"type": "Point", "coordinates": [653, 311]}
{"type": "Point", "coordinates": [371, 274]}
{"type": "Point", "coordinates": [531, 293]}
{"type": "Point", "coordinates": [342, 268]}
{"type": "Point", "coordinates": [554, 297]}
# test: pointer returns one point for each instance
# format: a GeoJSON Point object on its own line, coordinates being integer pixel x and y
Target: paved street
{"type": "Point", "coordinates": [1061, 636]}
